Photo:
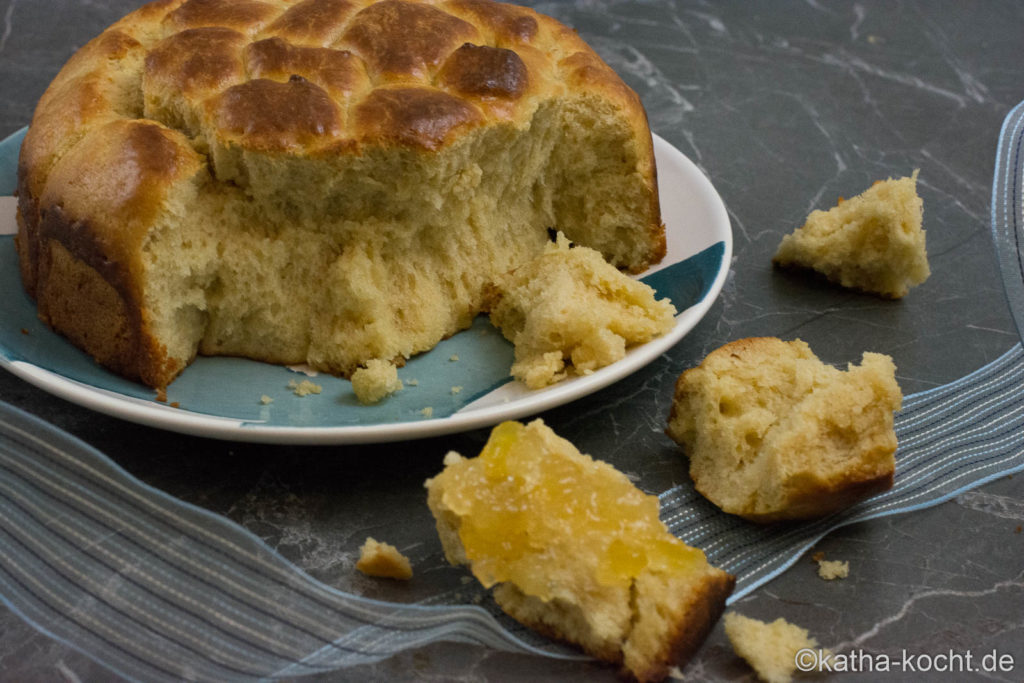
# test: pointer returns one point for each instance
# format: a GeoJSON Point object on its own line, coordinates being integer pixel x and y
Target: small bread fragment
{"type": "Point", "coordinates": [773, 433]}
{"type": "Point", "coordinates": [375, 381]}
{"type": "Point", "coordinates": [770, 649]}
{"type": "Point", "coordinates": [833, 569]}
{"type": "Point", "coordinates": [873, 242]}
{"type": "Point", "coordinates": [575, 551]}
{"type": "Point", "coordinates": [383, 560]}
{"type": "Point", "coordinates": [570, 307]}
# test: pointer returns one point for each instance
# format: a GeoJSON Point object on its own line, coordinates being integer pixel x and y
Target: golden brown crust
{"type": "Point", "coordinates": [196, 61]}
{"type": "Point", "coordinates": [404, 40]}
{"type": "Point", "coordinates": [314, 21]}
{"type": "Point", "coordinates": [338, 71]}
{"type": "Point", "coordinates": [413, 116]}
{"type": "Point", "coordinates": [702, 611]}
{"type": "Point", "coordinates": [268, 115]}
{"type": "Point", "coordinates": [243, 15]}
{"type": "Point", "coordinates": [304, 78]}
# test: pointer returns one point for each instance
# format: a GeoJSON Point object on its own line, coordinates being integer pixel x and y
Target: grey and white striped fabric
{"type": "Point", "coordinates": [159, 590]}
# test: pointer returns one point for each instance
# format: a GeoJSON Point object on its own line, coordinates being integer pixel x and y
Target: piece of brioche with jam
{"type": "Point", "coordinates": [574, 550]}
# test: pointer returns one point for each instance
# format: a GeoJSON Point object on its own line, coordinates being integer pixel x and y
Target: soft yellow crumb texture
{"type": "Point", "coordinates": [569, 310]}
{"type": "Point", "coordinates": [304, 388]}
{"type": "Point", "coordinates": [383, 560]}
{"type": "Point", "coordinates": [833, 569]}
{"type": "Point", "coordinates": [375, 381]}
{"type": "Point", "coordinates": [873, 242]}
{"type": "Point", "coordinates": [772, 432]}
{"type": "Point", "coordinates": [770, 649]}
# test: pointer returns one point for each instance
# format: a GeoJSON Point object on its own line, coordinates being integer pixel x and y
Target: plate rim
{"type": "Point", "coordinates": [167, 417]}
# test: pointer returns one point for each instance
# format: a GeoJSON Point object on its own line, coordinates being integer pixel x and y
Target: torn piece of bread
{"type": "Point", "coordinates": [873, 242]}
{"type": "Point", "coordinates": [773, 433]}
{"type": "Point", "coordinates": [383, 560]}
{"type": "Point", "coordinates": [376, 380]}
{"type": "Point", "coordinates": [770, 649]}
{"type": "Point", "coordinates": [569, 309]}
{"type": "Point", "coordinates": [575, 551]}
{"type": "Point", "coordinates": [833, 569]}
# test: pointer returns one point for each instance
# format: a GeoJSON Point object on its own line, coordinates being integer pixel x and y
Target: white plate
{"type": "Point", "coordinates": [464, 380]}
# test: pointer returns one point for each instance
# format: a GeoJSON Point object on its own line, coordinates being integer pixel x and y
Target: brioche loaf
{"type": "Point", "coordinates": [318, 181]}
{"type": "Point", "coordinates": [574, 550]}
{"type": "Point", "coordinates": [773, 433]}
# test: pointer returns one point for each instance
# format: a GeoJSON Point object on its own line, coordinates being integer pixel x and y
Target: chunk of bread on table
{"type": "Point", "coordinates": [873, 242]}
{"type": "Point", "coordinates": [575, 551]}
{"type": "Point", "coordinates": [770, 648]}
{"type": "Point", "coordinates": [773, 433]}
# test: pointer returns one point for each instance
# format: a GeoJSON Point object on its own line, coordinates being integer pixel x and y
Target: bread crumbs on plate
{"type": "Point", "coordinates": [304, 388]}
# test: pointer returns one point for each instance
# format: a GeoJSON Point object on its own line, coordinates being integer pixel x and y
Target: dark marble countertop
{"type": "Point", "coordinates": [785, 106]}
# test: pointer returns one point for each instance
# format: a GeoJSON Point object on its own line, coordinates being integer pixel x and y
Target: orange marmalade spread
{"type": "Point", "coordinates": [531, 506]}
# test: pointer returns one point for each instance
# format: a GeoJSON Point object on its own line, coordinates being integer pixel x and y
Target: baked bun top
{"type": "Point", "coordinates": [316, 77]}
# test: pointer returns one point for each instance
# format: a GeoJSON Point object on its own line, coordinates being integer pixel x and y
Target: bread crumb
{"type": "Point", "coordinates": [770, 649]}
{"type": "Point", "coordinates": [454, 357]}
{"type": "Point", "coordinates": [24, 330]}
{"type": "Point", "coordinates": [412, 382]}
{"type": "Point", "coordinates": [833, 569]}
{"type": "Point", "coordinates": [751, 415]}
{"type": "Point", "coordinates": [383, 560]}
{"type": "Point", "coordinates": [872, 242]}
{"type": "Point", "coordinates": [266, 400]}
{"type": "Point", "coordinates": [304, 388]}
{"type": "Point", "coordinates": [375, 381]}
{"type": "Point", "coordinates": [427, 412]}
{"type": "Point", "coordinates": [161, 395]}
{"type": "Point", "coordinates": [456, 389]}
{"type": "Point", "coordinates": [570, 311]}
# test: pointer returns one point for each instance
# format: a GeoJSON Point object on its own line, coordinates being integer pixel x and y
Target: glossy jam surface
{"type": "Point", "coordinates": [535, 511]}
